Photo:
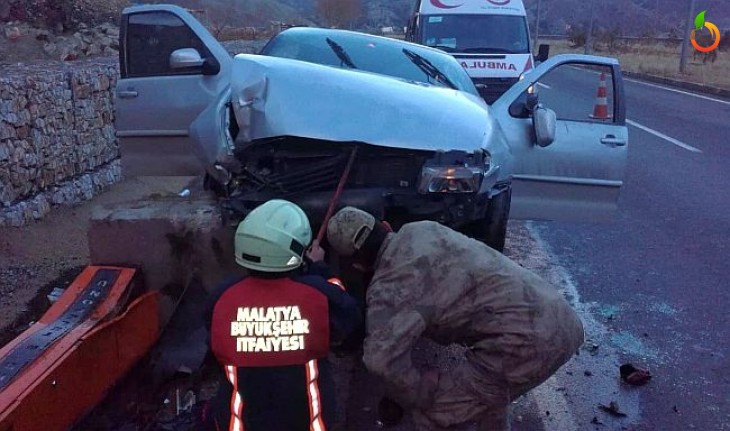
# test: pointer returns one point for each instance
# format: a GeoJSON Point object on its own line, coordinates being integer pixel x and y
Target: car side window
{"type": "Point", "coordinates": [151, 38]}
{"type": "Point", "coordinates": [578, 92]}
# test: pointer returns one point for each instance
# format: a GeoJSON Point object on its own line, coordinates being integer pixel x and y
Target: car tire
{"type": "Point", "coordinates": [492, 229]}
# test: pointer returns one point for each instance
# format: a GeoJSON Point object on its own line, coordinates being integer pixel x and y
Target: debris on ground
{"type": "Point", "coordinates": [592, 348]}
{"type": "Point", "coordinates": [183, 402]}
{"type": "Point", "coordinates": [55, 294]}
{"type": "Point", "coordinates": [634, 376]}
{"type": "Point", "coordinates": [613, 409]}
{"type": "Point", "coordinates": [595, 421]}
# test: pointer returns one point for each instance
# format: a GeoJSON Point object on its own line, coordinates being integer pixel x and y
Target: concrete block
{"type": "Point", "coordinates": [173, 240]}
{"type": "Point", "coordinates": [180, 242]}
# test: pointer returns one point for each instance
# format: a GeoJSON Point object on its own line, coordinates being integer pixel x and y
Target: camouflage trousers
{"type": "Point", "coordinates": [493, 375]}
{"type": "Point", "coordinates": [456, 407]}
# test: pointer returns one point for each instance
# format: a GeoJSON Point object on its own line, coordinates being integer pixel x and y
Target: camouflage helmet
{"type": "Point", "coordinates": [273, 237]}
{"type": "Point", "coordinates": [348, 230]}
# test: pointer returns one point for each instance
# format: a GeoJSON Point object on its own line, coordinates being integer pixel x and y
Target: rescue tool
{"type": "Point", "coordinates": [336, 196]}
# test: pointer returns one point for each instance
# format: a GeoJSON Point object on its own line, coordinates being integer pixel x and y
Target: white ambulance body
{"type": "Point", "coordinates": [490, 38]}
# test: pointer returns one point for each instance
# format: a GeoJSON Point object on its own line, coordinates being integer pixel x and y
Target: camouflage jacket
{"type": "Point", "coordinates": [432, 281]}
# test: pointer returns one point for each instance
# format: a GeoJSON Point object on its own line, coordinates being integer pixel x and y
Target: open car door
{"type": "Point", "coordinates": [566, 124]}
{"type": "Point", "coordinates": [171, 69]}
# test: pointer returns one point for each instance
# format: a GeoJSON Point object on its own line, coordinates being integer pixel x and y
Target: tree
{"type": "Point", "coordinates": [339, 13]}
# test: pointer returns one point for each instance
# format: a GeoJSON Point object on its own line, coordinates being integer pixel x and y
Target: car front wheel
{"type": "Point", "coordinates": [492, 229]}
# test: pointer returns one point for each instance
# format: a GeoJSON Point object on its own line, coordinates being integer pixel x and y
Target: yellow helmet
{"type": "Point", "coordinates": [273, 237]}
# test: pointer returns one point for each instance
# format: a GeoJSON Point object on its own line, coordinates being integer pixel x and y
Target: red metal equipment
{"type": "Point", "coordinates": [336, 197]}
{"type": "Point", "coordinates": [64, 364]}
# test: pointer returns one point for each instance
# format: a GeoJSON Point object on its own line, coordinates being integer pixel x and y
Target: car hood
{"type": "Point", "coordinates": [282, 97]}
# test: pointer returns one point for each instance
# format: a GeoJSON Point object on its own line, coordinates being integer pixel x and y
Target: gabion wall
{"type": "Point", "coordinates": [57, 142]}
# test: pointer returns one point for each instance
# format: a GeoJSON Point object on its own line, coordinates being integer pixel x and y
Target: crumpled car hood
{"type": "Point", "coordinates": [282, 97]}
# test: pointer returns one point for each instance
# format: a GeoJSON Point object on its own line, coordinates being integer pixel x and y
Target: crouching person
{"type": "Point", "coordinates": [272, 330]}
{"type": "Point", "coordinates": [429, 280]}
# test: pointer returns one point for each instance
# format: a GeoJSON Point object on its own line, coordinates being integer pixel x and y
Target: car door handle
{"type": "Point", "coordinates": [612, 140]}
{"type": "Point", "coordinates": [127, 94]}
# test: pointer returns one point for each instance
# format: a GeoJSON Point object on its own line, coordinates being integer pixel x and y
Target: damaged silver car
{"type": "Point", "coordinates": [284, 123]}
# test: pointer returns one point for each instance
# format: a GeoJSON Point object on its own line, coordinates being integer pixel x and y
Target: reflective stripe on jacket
{"type": "Point", "coordinates": [293, 414]}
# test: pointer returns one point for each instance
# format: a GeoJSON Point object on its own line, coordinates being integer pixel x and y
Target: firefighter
{"type": "Point", "coordinates": [429, 280]}
{"type": "Point", "coordinates": [272, 330]}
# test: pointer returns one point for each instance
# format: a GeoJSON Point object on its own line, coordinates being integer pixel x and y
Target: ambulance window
{"type": "Point", "coordinates": [578, 92]}
{"type": "Point", "coordinates": [499, 34]}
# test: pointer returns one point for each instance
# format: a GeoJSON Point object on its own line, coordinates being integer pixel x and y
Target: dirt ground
{"type": "Point", "coordinates": [660, 60]}
{"type": "Point", "coordinates": [49, 253]}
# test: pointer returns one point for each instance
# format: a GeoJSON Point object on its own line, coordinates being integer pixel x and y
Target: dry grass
{"type": "Point", "coordinates": [660, 60]}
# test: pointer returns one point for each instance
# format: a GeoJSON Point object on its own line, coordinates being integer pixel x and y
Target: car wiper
{"type": "Point", "coordinates": [341, 53]}
{"type": "Point", "coordinates": [428, 68]}
{"type": "Point", "coordinates": [488, 50]}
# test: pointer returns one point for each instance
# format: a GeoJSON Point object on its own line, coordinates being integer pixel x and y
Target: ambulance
{"type": "Point", "coordinates": [490, 38]}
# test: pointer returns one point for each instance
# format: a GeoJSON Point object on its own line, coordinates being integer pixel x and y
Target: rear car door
{"type": "Point", "coordinates": [579, 175]}
{"type": "Point", "coordinates": [157, 98]}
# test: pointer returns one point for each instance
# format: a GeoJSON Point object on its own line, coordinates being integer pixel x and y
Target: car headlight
{"type": "Point", "coordinates": [454, 172]}
{"type": "Point", "coordinates": [450, 179]}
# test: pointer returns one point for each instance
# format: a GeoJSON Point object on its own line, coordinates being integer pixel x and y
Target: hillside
{"type": "Point", "coordinates": [632, 17]}
{"type": "Point", "coordinates": [67, 29]}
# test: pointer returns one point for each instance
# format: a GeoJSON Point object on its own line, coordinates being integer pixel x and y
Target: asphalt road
{"type": "Point", "coordinates": [655, 283]}
{"type": "Point", "coordinates": [652, 288]}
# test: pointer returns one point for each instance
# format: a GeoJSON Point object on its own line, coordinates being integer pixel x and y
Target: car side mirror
{"type": "Point", "coordinates": [185, 58]}
{"type": "Point", "coordinates": [543, 52]}
{"type": "Point", "coordinates": [544, 123]}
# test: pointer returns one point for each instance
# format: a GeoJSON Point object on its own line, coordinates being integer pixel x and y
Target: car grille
{"type": "Point", "coordinates": [373, 168]}
{"type": "Point", "coordinates": [311, 176]}
{"type": "Point", "coordinates": [389, 172]}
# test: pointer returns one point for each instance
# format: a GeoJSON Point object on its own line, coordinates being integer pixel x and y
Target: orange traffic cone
{"type": "Point", "coordinates": [600, 110]}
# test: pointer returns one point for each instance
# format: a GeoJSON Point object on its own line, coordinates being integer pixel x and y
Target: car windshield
{"type": "Point", "coordinates": [371, 54]}
{"type": "Point", "coordinates": [503, 34]}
